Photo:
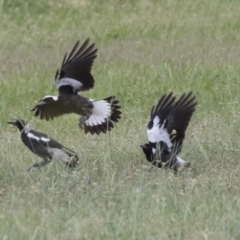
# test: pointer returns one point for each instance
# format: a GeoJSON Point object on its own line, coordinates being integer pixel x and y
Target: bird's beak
{"type": "Point", "coordinates": [12, 122]}
{"type": "Point", "coordinates": [142, 145]}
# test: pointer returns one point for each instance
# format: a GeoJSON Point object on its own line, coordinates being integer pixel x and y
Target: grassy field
{"type": "Point", "coordinates": [146, 48]}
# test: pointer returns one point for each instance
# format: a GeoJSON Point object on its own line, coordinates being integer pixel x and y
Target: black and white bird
{"type": "Point", "coordinates": [166, 130]}
{"type": "Point", "coordinates": [75, 76]}
{"type": "Point", "coordinates": [44, 146]}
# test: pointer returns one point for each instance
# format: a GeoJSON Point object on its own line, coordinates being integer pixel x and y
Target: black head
{"type": "Point", "coordinates": [19, 123]}
{"type": "Point", "coordinates": [147, 149]}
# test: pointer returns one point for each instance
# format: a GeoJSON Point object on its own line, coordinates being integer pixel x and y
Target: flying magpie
{"type": "Point", "coordinates": [44, 146]}
{"type": "Point", "coordinates": [169, 120]}
{"type": "Point", "coordinates": [75, 76]}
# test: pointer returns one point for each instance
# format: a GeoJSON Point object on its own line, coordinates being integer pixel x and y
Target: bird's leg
{"type": "Point", "coordinates": [157, 163]}
{"type": "Point", "coordinates": [81, 123]}
{"type": "Point", "coordinates": [39, 165]}
{"type": "Point", "coordinates": [188, 165]}
{"type": "Point", "coordinates": [171, 163]}
{"type": "Point", "coordinates": [175, 168]}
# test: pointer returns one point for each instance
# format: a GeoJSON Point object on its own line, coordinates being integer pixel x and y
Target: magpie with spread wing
{"type": "Point", "coordinates": [44, 146]}
{"type": "Point", "coordinates": [169, 120]}
{"type": "Point", "coordinates": [75, 76]}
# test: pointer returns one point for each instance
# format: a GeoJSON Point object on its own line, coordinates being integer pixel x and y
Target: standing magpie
{"type": "Point", "coordinates": [75, 76]}
{"type": "Point", "coordinates": [44, 146]}
{"type": "Point", "coordinates": [166, 130]}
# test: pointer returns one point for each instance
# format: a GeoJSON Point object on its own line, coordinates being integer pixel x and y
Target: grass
{"type": "Point", "coordinates": [146, 48]}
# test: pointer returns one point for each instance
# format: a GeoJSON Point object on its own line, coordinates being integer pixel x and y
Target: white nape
{"type": "Point", "coordinates": [55, 98]}
{"type": "Point", "coordinates": [27, 128]}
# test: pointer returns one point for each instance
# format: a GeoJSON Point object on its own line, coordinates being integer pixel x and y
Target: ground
{"type": "Point", "coordinates": [146, 48]}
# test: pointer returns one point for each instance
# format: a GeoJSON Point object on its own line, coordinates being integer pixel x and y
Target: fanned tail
{"type": "Point", "coordinates": [104, 113]}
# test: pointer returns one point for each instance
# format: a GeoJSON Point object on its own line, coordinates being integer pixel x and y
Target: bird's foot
{"type": "Point", "coordinates": [35, 165]}
{"type": "Point", "coordinates": [39, 165]}
{"type": "Point", "coordinates": [187, 165]}
{"type": "Point", "coordinates": [73, 162]}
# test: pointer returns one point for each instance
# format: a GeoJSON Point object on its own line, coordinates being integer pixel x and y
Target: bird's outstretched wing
{"type": "Point", "coordinates": [50, 107]}
{"type": "Point", "coordinates": [163, 107]}
{"type": "Point", "coordinates": [180, 117]}
{"type": "Point", "coordinates": [156, 130]}
{"type": "Point", "coordinates": [76, 68]}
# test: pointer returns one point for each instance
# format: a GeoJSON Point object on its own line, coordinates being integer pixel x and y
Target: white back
{"type": "Point", "coordinates": [158, 133]}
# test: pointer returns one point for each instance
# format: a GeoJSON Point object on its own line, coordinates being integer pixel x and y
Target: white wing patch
{"type": "Point", "coordinates": [76, 85]}
{"type": "Point", "coordinates": [154, 131]}
{"type": "Point", "coordinates": [32, 136]}
{"type": "Point", "coordinates": [158, 133]}
{"type": "Point", "coordinates": [101, 111]}
{"type": "Point", "coordinates": [45, 139]}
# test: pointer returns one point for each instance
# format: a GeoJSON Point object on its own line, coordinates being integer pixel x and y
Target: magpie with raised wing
{"type": "Point", "coordinates": [75, 76]}
{"type": "Point", "coordinates": [169, 120]}
{"type": "Point", "coordinates": [44, 146]}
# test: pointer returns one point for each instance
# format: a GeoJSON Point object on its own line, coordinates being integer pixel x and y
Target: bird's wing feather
{"type": "Point", "coordinates": [50, 107]}
{"type": "Point", "coordinates": [180, 117]}
{"type": "Point", "coordinates": [156, 129]}
{"type": "Point", "coordinates": [163, 107]}
{"type": "Point", "coordinates": [76, 68]}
